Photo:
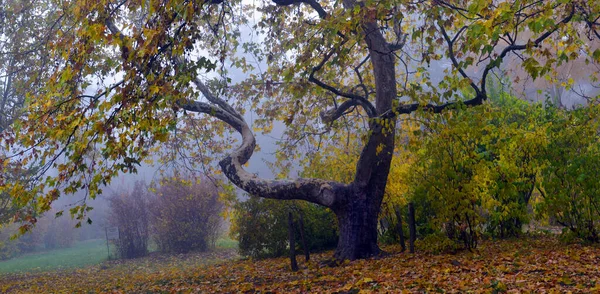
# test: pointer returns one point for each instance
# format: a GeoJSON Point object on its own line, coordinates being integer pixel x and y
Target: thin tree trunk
{"type": "Point", "coordinates": [412, 227]}
{"type": "Point", "coordinates": [399, 228]}
{"type": "Point", "coordinates": [293, 262]}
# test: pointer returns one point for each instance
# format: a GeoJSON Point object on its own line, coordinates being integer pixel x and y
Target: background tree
{"type": "Point", "coordinates": [129, 213]}
{"type": "Point", "coordinates": [24, 60]}
{"type": "Point", "coordinates": [186, 214]}
{"type": "Point", "coordinates": [324, 60]}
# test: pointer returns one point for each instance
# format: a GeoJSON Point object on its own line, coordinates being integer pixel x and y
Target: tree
{"type": "Point", "coordinates": [129, 212]}
{"type": "Point", "coordinates": [325, 61]}
{"type": "Point", "coordinates": [185, 214]}
{"type": "Point", "coordinates": [23, 59]}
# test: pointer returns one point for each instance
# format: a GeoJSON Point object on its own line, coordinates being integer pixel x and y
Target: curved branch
{"type": "Point", "coordinates": [216, 100]}
{"type": "Point", "coordinates": [358, 100]}
{"type": "Point", "coordinates": [313, 3]}
{"type": "Point", "coordinates": [326, 193]}
{"type": "Point", "coordinates": [453, 56]}
{"type": "Point", "coordinates": [330, 115]}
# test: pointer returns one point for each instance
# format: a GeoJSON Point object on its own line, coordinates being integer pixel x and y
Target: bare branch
{"type": "Point", "coordinates": [453, 57]}
{"type": "Point", "coordinates": [360, 100]}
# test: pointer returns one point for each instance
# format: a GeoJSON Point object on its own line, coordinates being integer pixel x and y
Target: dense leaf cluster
{"type": "Point", "coordinates": [489, 171]}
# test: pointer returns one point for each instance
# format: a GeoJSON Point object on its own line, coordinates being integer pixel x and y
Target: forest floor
{"type": "Point", "coordinates": [531, 264]}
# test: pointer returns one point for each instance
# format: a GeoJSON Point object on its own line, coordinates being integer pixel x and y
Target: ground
{"type": "Point", "coordinates": [533, 264]}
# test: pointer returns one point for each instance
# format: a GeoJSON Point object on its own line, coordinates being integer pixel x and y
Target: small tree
{"type": "Point", "coordinates": [186, 214]}
{"type": "Point", "coordinates": [129, 212]}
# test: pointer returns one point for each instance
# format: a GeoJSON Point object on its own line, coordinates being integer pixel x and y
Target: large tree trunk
{"type": "Point", "coordinates": [357, 224]}
{"type": "Point", "coordinates": [357, 217]}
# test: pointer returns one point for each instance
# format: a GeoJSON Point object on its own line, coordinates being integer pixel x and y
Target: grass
{"type": "Point", "coordinates": [82, 254]}
{"type": "Point", "coordinates": [226, 243]}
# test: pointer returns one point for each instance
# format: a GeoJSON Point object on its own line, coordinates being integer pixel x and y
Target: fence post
{"type": "Point", "coordinates": [107, 245]}
{"type": "Point", "coordinates": [399, 228]}
{"type": "Point", "coordinates": [304, 244]}
{"type": "Point", "coordinates": [292, 242]}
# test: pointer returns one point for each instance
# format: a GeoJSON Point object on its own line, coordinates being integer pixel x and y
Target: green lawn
{"type": "Point", "coordinates": [81, 254]}
{"type": "Point", "coordinates": [226, 243]}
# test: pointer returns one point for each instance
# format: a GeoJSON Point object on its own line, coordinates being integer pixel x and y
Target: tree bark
{"type": "Point", "coordinates": [357, 223]}
{"type": "Point", "coordinates": [412, 227]}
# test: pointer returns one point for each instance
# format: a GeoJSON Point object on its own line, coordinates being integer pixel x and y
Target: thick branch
{"type": "Point", "coordinates": [326, 193]}
{"type": "Point", "coordinates": [313, 3]}
{"type": "Point", "coordinates": [410, 108]}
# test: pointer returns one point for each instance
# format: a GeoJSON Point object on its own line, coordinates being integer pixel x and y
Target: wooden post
{"type": "Point", "coordinates": [304, 244]}
{"type": "Point", "coordinates": [399, 228]}
{"type": "Point", "coordinates": [412, 227]}
{"type": "Point", "coordinates": [292, 242]}
{"type": "Point", "coordinates": [107, 245]}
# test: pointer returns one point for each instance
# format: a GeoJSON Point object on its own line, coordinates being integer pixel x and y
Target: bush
{"type": "Point", "coordinates": [261, 226]}
{"type": "Point", "coordinates": [571, 190]}
{"type": "Point", "coordinates": [129, 213]}
{"type": "Point", "coordinates": [49, 233]}
{"type": "Point", "coordinates": [186, 214]}
{"type": "Point", "coordinates": [476, 170]}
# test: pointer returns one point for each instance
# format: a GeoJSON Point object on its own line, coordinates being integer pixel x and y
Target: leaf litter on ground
{"type": "Point", "coordinates": [532, 264]}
